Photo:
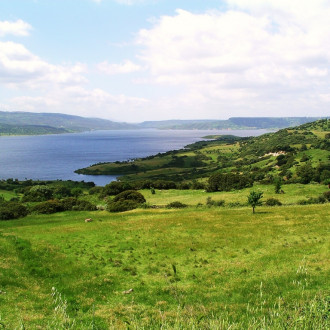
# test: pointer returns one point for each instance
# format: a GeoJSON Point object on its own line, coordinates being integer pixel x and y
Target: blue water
{"type": "Point", "coordinates": [52, 157]}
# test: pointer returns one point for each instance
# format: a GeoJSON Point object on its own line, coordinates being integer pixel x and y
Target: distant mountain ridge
{"type": "Point", "coordinates": [57, 120]}
{"type": "Point", "coordinates": [6, 129]}
{"type": "Point", "coordinates": [231, 123]}
{"type": "Point", "coordinates": [29, 123]}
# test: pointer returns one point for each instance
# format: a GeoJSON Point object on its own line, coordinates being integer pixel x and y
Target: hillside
{"type": "Point", "coordinates": [6, 129]}
{"type": "Point", "coordinates": [68, 263]}
{"type": "Point", "coordinates": [21, 123]}
{"type": "Point", "coordinates": [197, 268]}
{"type": "Point", "coordinates": [62, 121]}
{"type": "Point", "coordinates": [298, 153]}
{"type": "Point", "coordinates": [231, 123]}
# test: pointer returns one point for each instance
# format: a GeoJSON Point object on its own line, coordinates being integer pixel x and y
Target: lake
{"type": "Point", "coordinates": [52, 157]}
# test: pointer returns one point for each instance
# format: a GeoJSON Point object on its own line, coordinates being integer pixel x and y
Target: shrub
{"type": "Point", "coordinates": [196, 185]}
{"type": "Point", "coordinates": [125, 201]}
{"type": "Point", "coordinates": [115, 187]}
{"type": "Point", "coordinates": [176, 205]}
{"type": "Point", "coordinates": [183, 186]}
{"type": "Point", "coordinates": [83, 205]}
{"type": "Point", "coordinates": [210, 202]}
{"type": "Point", "coordinates": [227, 182]}
{"type": "Point", "coordinates": [61, 192]}
{"type": "Point", "coordinates": [95, 190]}
{"type": "Point", "coordinates": [236, 204]}
{"type": "Point", "coordinates": [38, 193]}
{"type": "Point", "coordinates": [163, 184]}
{"type": "Point", "coordinates": [313, 200]}
{"type": "Point", "coordinates": [48, 207]}
{"type": "Point", "coordinates": [122, 206]}
{"type": "Point", "coordinates": [76, 192]}
{"type": "Point", "coordinates": [12, 210]}
{"type": "Point", "coordinates": [273, 202]}
{"type": "Point", "coordinates": [68, 203]}
{"type": "Point", "coordinates": [131, 195]}
{"type": "Point", "coordinates": [327, 195]}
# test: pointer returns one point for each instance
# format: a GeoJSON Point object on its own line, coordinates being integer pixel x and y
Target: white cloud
{"type": "Point", "coordinates": [46, 87]}
{"type": "Point", "coordinates": [260, 55]}
{"type": "Point", "coordinates": [258, 58]}
{"type": "Point", "coordinates": [122, 68]}
{"type": "Point", "coordinates": [18, 28]}
{"type": "Point", "coordinates": [21, 68]}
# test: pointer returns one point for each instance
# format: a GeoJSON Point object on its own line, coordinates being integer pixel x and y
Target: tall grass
{"type": "Point", "coordinates": [194, 268]}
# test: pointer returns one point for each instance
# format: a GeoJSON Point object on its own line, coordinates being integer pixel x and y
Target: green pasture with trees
{"type": "Point", "coordinates": [230, 233]}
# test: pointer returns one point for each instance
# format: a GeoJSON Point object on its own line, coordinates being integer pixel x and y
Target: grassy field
{"type": "Point", "coordinates": [211, 268]}
{"type": "Point", "coordinates": [292, 194]}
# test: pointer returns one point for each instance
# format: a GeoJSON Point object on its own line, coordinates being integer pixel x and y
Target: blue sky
{"type": "Point", "coordinates": [136, 60]}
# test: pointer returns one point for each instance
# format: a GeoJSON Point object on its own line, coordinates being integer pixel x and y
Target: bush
{"type": "Point", "coordinates": [76, 192]}
{"type": "Point", "coordinates": [210, 202]}
{"type": "Point", "coordinates": [236, 204]}
{"type": "Point", "coordinates": [48, 207]}
{"type": "Point", "coordinates": [122, 206]}
{"type": "Point", "coordinates": [163, 184]}
{"type": "Point", "coordinates": [115, 187]}
{"type": "Point", "coordinates": [131, 195]}
{"type": "Point", "coordinates": [273, 202]}
{"type": "Point", "coordinates": [12, 210]}
{"type": "Point", "coordinates": [176, 205]}
{"type": "Point", "coordinates": [125, 201]}
{"type": "Point", "coordinates": [183, 186]}
{"type": "Point", "coordinates": [95, 190]}
{"type": "Point", "coordinates": [313, 200]}
{"type": "Point", "coordinates": [68, 203]}
{"type": "Point", "coordinates": [227, 182]}
{"type": "Point", "coordinates": [196, 185]}
{"type": "Point", "coordinates": [327, 195]}
{"type": "Point", "coordinates": [83, 205]}
{"type": "Point", "coordinates": [38, 193]}
{"type": "Point", "coordinates": [61, 192]}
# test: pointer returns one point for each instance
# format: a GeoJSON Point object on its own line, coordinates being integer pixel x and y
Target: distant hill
{"type": "Point", "coordinates": [6, 129]}
{"type": "Point", "coordinates": [295, 154]}
{"type": "Point", "coordinates": [29, 123]}
{"type": "Point", "coordinates": [56, 120]}
{"type": "Point", "coordinates": [231, 123]}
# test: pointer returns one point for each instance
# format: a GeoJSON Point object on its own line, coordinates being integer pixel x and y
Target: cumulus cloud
{"type": "Point", "coordinates": [121, 68]}
{"type": "Point", "coordinates": [258, 55]}
{"type": "Point", "coordinates": [18, 28]}
{"type": "Point", "coordinates": [47, 87]}
{"type": "Point", "coordinates": [21, 68]}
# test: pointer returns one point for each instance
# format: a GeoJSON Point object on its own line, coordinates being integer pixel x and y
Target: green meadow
{"type": "Point", "coordinates": [192, 268]}
{"type": "Point", "coordinates": [293, 193]}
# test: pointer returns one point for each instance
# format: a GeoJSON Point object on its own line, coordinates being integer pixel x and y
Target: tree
{"type": "Point", "coordinates": [306, 173]}
{"type": "Point", "coordinates": [254, 199]}
{"type": "Point", "coordinates": [278, 185]}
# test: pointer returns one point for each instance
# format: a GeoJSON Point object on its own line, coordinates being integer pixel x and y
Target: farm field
{"type": "Point", "coordinates": [197, 267]}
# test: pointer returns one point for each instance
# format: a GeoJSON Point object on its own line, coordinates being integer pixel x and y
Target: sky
{"type": "Point", "coordinates": [138, 60]}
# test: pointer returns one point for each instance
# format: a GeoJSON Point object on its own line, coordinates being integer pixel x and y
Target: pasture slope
{"type": "Point", "coordinates": [198, 267]}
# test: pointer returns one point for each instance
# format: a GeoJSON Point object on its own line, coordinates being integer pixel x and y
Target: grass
{"type": "Point", "coordinates": [193, 268]}
{"type": "Point", "coordinates": [292, 194]}
{"type": "Point", "coordinates": [7, 195]}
